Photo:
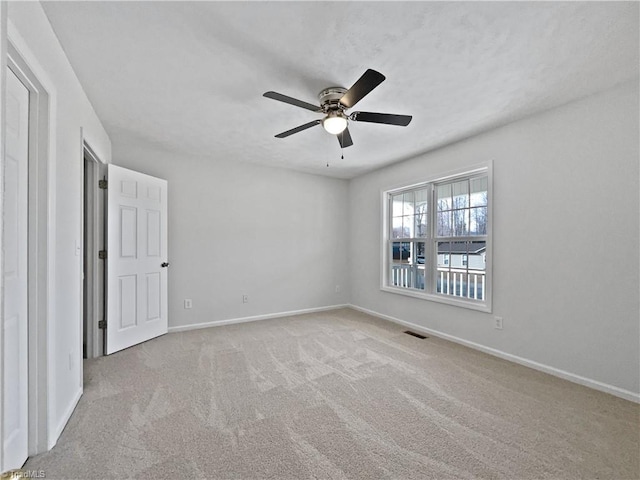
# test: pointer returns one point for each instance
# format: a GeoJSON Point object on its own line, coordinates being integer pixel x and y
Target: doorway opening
{"type": "Point", "coordinates": [93, 288]}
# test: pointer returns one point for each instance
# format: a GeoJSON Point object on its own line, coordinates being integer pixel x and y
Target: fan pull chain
{"type": "Point", "coordinates": [341, 147]}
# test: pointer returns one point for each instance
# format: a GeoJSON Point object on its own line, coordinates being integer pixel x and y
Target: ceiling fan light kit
{"type": "Point", "coordinates": [335, 122]}
{"type": "Point", "coordinates": [334, 102]}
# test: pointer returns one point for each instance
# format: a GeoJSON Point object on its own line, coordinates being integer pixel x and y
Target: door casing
{"type": "Point", "coordinates": [94, 240]}
{"type": "Point", "coordinates": [15, 274]}
{"type": "Point", "coordinates": [38, 248]}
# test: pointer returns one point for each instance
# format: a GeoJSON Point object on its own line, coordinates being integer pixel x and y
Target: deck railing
{"type": "Point", "coordinates": [450, 281]}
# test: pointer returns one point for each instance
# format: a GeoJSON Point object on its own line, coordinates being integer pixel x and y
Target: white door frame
{"type": "Point", "coordinates": [94, 202]}
{"type": "Point", "coordinates": [38, 249]}
{"type": "Point", "coordinates": [15, 274]}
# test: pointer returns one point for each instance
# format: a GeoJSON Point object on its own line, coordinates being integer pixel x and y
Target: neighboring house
{"type": "Point", "coordinates": [461, 255]}
{"type": "Point", "coordinates": [450, 255]}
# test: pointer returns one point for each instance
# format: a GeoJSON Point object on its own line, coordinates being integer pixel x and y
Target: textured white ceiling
{"type": "Point", "coordinates": [189, 77]}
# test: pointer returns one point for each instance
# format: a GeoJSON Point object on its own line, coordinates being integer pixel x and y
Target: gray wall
{"type": "Point", "coordinates": [237, 229]}
{"type": "Point", "coordinates": [566, 236]}
{"type": "Point", "coordinates": [71, 119]}
{"type": "Point", "coordinates": [566, 225]}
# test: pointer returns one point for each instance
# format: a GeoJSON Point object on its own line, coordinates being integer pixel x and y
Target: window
{"type": "Point", "coordinates": [436, 236]}
{"type": "Point", "coordinates": [408, 234]}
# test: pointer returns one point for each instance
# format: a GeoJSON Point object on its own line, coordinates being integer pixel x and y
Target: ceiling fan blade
{"type": "Point", "coordinates": [299, 129]}
{"type": "Point", "coordinates": [367, 82]}
{"type": "Point", "coordinates": [386, 118]}
{"type": "Point", "coordinates": [344, 138]}
{"type": "Point", "coordinates": [292, 101]}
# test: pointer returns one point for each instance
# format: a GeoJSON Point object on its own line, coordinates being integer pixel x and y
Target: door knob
{"type": "Point", "coordinates": [164, 264]}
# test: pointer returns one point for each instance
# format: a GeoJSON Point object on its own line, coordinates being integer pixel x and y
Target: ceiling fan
{"type": "Point", "coordinates": [335, 101]}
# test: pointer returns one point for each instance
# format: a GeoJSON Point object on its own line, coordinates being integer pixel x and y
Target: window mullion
{"type": "Point", "coordinates": [431, 259]}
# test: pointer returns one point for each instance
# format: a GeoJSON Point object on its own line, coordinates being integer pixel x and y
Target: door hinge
{"type": "Point", "coordinates": [102, 254]}
{"type": "Point", "coordinates": [102, 324]}
{"type": "Point", "coordinates": [102, 184]}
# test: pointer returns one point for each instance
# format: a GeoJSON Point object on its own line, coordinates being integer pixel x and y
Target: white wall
{"type": "Point", "coordinates": [566, 236]}
{"type": "Point", "coordinates": [275, 235]}
{"type": "Point", "coordinates": [70, 115]}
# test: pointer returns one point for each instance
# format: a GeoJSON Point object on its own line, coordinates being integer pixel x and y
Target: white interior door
{"type": "Point", "coordinates": [136, 258]}
{"type": "Point", "coordinates": [15, 241]}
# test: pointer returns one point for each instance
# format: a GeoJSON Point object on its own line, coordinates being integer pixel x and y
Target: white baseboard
{"type": "Point", "coordinates": [55, 435]}
{"type": "Point", "coordinates": [217, 323]}
{"type": "Point", "coordinates": [587, 382]}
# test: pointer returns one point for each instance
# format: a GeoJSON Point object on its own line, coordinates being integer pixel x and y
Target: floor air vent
{"type": "Point", "coordinates": [414, 334]}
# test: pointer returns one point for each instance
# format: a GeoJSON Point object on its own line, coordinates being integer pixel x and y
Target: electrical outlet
{"type": "Point", "coordinates": [337, 288]}
{"type": "Point", "coordinates": [245, 298]}
{"type": "Point", "coordinates": [188, 303]}
{"type": "Point", "coordinates": [497, 323]}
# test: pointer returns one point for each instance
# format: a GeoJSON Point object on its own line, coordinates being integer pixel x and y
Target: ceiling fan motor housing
{"type": "Point", "coordinates": [330, 98]}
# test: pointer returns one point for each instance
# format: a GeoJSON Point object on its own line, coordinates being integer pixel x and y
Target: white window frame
{"type": "Point", "coordinates": [429, 293]}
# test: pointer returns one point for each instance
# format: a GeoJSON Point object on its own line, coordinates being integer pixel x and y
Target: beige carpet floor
{"type": "Point", "coordinates": [337, 394]}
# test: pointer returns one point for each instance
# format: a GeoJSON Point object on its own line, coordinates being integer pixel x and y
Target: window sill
{"type": "Point", "coordinates": [446, 299]}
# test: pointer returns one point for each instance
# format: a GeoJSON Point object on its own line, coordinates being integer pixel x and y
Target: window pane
{"type": "Point", "coordinates": [398, 274]}
{"type": "Point", "coordinates": [479, 192]}
{"type": "Point", "coordinates": [421, 195]}
{"type": "Point", "coordinates": [407, 267]}
{"type": "Point", "coordinates": [461, 269]}
{"type": "Point", "coordinates": [444, 224]}
{"type": "Point", "coordinates": [419, 253]}
{"type": "Point", "coordinates": [477, 253]}
{"type": "Point", "coordinates": [478, 222]}
{"type": "Point", "coordinates": [419, 249]}
{"type": "Point", "coordinates": [444, 197]}
{"type": "Point", "coordinates": [407, 208]}
{"type": "Point", "coordinates": [396, 205]}
{"type": "Point", "coordinates": [400, 251]}
{"type": "Point", "coordinates": [421, 213]}
{"type": "Point", "coordinates": [443, 254]}
{"type": "Point", "coordinates": [419, 278]}
{"type": "Point", "coordinates": [456, 250]}
{"type": "Point", "coordinates": [461, 194]}
{"type": "Point", "coordinates": [421, 225]}
{"type": "Point", "coordinates": [407, 226]}
{"type": "Point", "coordinates": [460, 222]}
{"type": "Point", "coordinates": [396, 227]}
{"type": "Point", "coordinates": [476, 270]}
